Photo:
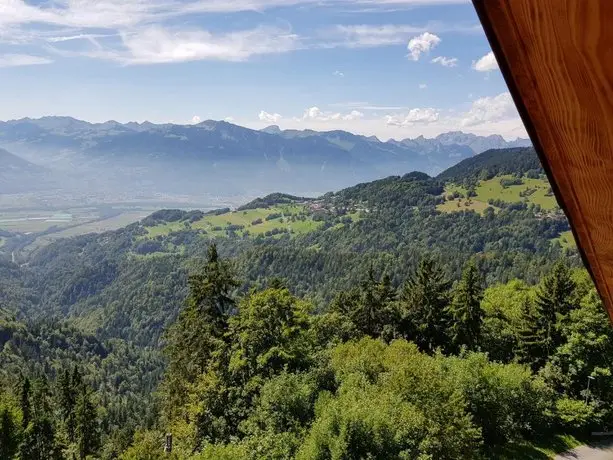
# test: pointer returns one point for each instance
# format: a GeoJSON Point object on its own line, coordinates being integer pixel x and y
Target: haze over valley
{"type": "Point", "coordinates": [61, 176]}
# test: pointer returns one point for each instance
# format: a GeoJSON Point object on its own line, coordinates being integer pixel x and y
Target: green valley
{"type": "Point", "coordinates": [369, 322]}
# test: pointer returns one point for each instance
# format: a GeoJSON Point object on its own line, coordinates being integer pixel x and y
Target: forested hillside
{"type": "Point", "coordinates": [399, 318]}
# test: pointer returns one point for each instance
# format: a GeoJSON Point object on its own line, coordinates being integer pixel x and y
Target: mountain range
{"type": "Point", "coordinates": [216, 157]}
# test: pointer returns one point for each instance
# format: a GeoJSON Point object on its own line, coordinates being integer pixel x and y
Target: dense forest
{"type": "Point", "coordinates": [385, 328]}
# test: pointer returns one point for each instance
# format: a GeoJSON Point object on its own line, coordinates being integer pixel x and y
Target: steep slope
{"type": "Point", "coordinates": [318, 244]}
{"type": "Point", "coordinates": [494, 162]}
{"type": "Point", "coordinates": [18, 174]}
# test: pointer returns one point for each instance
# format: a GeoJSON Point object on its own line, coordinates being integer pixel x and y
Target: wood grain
{"type": "Point", "coordinates": [557, 58]}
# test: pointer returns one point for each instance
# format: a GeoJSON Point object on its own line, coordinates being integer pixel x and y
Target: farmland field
{"type": "Point", "coordinates": [45, 226]}
{"type": "Point", "coordinates": [534, 191]}
{"type": "Point", "coordinates": [293, 219]}
{"type": "Point", "coordinates": [463, 205]}
{"type": "Point", "coordinates": [567, 240]}
{"type": "Point", "coordinates": [494, 189]}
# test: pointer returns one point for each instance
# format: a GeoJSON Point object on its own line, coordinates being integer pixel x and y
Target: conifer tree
{"type": "Point", "coordinates": [198, 334]}
{"type": "Point", "coordinates": [554, 301]}
{"type": "Point", "coordinates": [68, 392]}
{"type": "Point", "coordinates": [87, 429]}
{"type": "Point", "coordinates": [9, 435]}
{"type": "Point", "coordinates": [39, 441]}
{"type": "Point", "coordinates": [369, 306]}
{"type": "Point", "coordinates": [424, 302]}
{"type": "Point", "coordinates": [531, 336]}
{"type": "Point", "coordinates": [24, 400]}
{"type": "Point", "coordinates": [465, 310]}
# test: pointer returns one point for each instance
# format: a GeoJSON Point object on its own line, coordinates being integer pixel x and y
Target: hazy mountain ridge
{"type": "Point", "coordinates": [218, 158]}
{"type": "Point", "coordinates": [18, 174]}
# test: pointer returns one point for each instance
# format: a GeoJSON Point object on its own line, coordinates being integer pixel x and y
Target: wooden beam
{"type": "Point", "coordinates": [557, 58]}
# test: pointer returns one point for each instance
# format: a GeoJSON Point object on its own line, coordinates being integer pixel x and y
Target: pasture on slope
{"type": "Point", "coordinates": [271, 221]}
{"type": "Point", "coordinates": [527, 190]}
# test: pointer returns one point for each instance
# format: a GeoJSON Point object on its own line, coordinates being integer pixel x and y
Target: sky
{"type": "Point", "coordinates": [390, 68]}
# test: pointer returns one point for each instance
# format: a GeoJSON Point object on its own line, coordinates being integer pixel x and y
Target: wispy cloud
{"type": "Point", "coordinates": [445, 61]}
{"type": "Point", "coordinates": [154, 31]}
{"type": "Point", "coordinates": [414, 116]}
{"type": "Point", "coordinates": [365, 36]}
{"type": "Point", "coordinates": [316, 114]}
{"type": "Point", "coordinates": [18, 60]}
{"type": "Point", "coordinates": [157, 45]}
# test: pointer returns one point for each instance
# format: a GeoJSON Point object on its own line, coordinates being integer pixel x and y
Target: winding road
{"type": "Point", "coordinates": [596, 452]}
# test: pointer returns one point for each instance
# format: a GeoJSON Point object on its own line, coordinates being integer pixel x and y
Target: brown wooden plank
{"type": "Point", "coordinates": [557, 58]}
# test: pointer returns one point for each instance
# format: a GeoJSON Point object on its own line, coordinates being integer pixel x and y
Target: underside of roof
{"type": "Point", "coordinates": [557, 59]}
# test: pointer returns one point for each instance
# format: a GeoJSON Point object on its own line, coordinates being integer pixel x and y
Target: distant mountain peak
{"type": "Point", "coordinates": [272, 129]}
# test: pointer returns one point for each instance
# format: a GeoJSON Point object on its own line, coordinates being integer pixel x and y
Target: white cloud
{"type": "Point", "coordinates": [414, 116]}
{"type": "Point", "coordinates": [489, 115]}
{"type": "Point", "coordinates": [487, 63]}
{"type": "Point", "coordinates": [422, 44]}
{"type": "Point", "coordinates": [229, 119]}
{"type": "Point", "coordinates": [196, 119]}
{"type": "Point", "coordinates": [338, 73]}
{"type": "Point", "coordinates": [158, 45]}
{"type": "Point", "coordinates": [445, 61]}
{"type": "Point", "coordinates": [269, 117]}
{"type": "Point", "coordinates": [366, 36]}
{"type": "Point", "coordinates": [18, 60]}
{"type": "Point", "coordinates": [113, 14]}
{"type": "Point", "coordinates": [353, 115]}
{"type": "Point", "coordinates": [373, 35]}
{"type": "Point", "coordinates": [490, 109]}
{"type": "Point", "coordinates": [422, 86]}
{"type": "Point", "coordinates": [316, 114]}
{"type": "Point", "coordinates": [140, 32]}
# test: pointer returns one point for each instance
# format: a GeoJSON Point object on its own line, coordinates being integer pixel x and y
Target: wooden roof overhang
{"type": "Point", "coordinates": [557, 59]}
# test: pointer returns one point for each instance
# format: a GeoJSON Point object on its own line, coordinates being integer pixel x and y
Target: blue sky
{"type": "Point", "coordinates": [392, 68]}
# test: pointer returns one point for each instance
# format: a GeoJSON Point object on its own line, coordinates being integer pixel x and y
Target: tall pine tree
{"type": "Point", "coordinates": [424, 302]}
{"type": "Point", "coordinates": [531, 344]}
{"type": "Point", "coordinates": [68, 392]}
{"type": "Point", "coordinates": [199, 333]}
{"type": "Point", "coordinates": [39, 440]}
{"type": "Point", "coordinates": [465, 311]}
{"type": "Point", "coordinates": [370, 307]}
{"type": "Point", "coordinates": [24, 403]}
{"type": "Point", "coordinates": [554, 300]}
{"type": "Point", "coordinates": [9, 434]}
{"type": "Point", "coordinates": [87, 429]}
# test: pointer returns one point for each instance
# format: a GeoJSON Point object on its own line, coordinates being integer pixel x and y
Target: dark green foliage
{"type": "Point", "coordinates": [318, 363]}
{"type": "Point", "coordinates": [493, 163]}
{"type": "Point", "coordinates": [199, 333]}
{"type": "Point", "coordinates": [25, 405]}
{"type": "Point", "coordinates": [86, 421]}
{"type": "Point", "coordinates": [273, 200]}
{"type": "Point", "coordinates": [509, 182]}
{"type": "Point", "coordinates": [69, 390]}
{"type": "Point", "coordinates": [370, 306]}
{"type": "Point", "coordinates": [9, 434]}
{"type": "Point", "coordinates": [554, 302]}
{"type": "Point", "coordinates": [531, 346]}
{"type": "Point", "coordinates": [465, 312]}
{"type": "Point", "coordinates": [424, 307]}
{"type": "Point", "coordinates": [39, 441]}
